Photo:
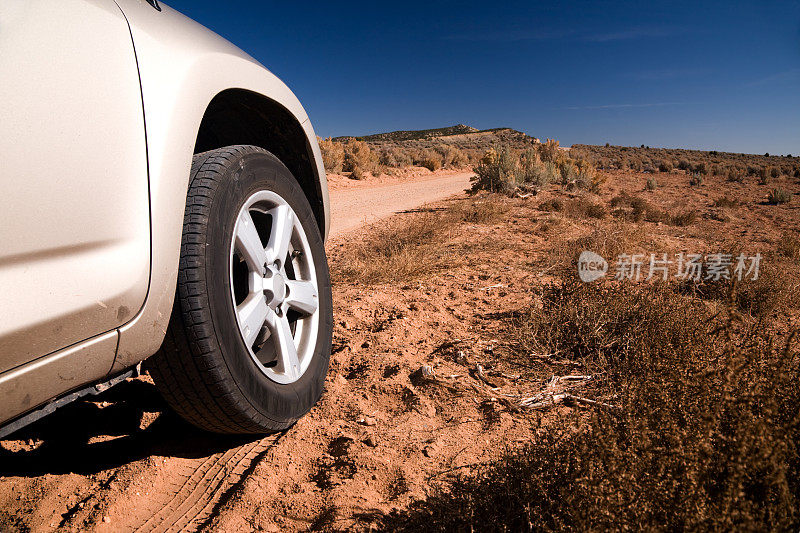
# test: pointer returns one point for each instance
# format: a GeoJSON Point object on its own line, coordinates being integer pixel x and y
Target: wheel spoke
{"type": "Point", "coordinates": [302, 296]}
{"type": "Point", "coordinates": [288, 362]}
{"type": "Point", "coordinates": [249, 244]}
{"type": "Point", "coordinates": [252, 315]}
{"type": "Point", "coordinates": [280, 235]}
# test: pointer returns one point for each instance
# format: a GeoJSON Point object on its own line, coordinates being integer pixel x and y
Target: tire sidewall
{"type": "Point", "coordinates": [246, 175]}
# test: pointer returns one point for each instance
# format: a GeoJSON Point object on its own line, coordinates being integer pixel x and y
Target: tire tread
{"type": "Point", "coordinates": [187, 368]}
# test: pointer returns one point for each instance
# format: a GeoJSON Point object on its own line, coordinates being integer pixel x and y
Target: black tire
{"type": "Point", "coordinates": [203, 369]}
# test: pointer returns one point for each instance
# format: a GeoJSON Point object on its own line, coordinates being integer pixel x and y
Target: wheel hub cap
{"type": "Point", "coordinates": [274, 287]}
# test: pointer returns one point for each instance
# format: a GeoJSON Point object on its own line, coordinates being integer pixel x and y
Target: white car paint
{"type": "Point", "coordinates": [102, 101]}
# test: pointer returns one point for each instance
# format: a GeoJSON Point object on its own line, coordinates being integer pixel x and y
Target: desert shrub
{"type": "Point", "coordinates": [701, 168]}
{"type": "Point", "coordinates": [684, 164]}
{"type": "Point", "coordinates": [533, 172]}
{"type": "Point", "coordinates": [696, 179]}
{"type": "Point", "coordinates": [779, 196]}
{"type": "Point", "coordinates": [358, 174]}
{"type": "Point", "coordinates": [651, 184]}
{"type": "Point", "coordinates": [637, 206]}
{"type": "Point", "coordinates": [496, 172]}
{"type": "Point", "coordinates": [635, 164]}
{"type": "Point", "coordinates": [507, 170]}
{"type": "Point", "coordinates": [358, 155]}
{"type": "Point", "coordinates": [636, 209]}
{"type": "Point", "coordinates": [549, 151]}
{"type": "Point", "coordinates": [684, 218]}
{"type": "Point", "coordinates": [665, 166]}
{"type": "Point", "coordinates": [551, 172]}
{"type": "Point", "coordinates": [703, 436]}
{"type": "Point", "coordinates": [774, 172]}
{"type": "Point", "coordinates": [735, 175]}
{"type": "Point", "coordinates": [764, 175]}
{"type": "Point", "coordinates": [554, 204]}
{"type": "Point", "coordinates": [584, 208]}
{"type": "Point", "coordinates": [460, 159]}
{"type": "Point", "coordinates": [596, 211]}
{"type": "Point", "coordinates": [332, 155]}
{"type": "Point", "coordinates": [726, 202]}
{"type": "Point", "coordinates": [588, 178]}
{"type": "Point", "coordinates": [568, 171]}
{"type": "Point", "coordinates": [431, 160]}
{"type": "Point", "coordinates": [395, 158]}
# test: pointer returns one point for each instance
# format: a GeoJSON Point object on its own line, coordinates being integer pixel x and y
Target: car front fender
{"type": "Point", "coordinates": [182, 67]}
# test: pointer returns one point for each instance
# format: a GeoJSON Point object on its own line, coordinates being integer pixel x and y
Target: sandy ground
{"type": "Point", "coordinates": [383, 435]}
{"type": "Point", "coordinates": [362, 203]}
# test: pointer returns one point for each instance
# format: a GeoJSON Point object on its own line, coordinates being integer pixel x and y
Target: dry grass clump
{"type": "Point", "coordinates": [726, 202]}
{"type": "Point", "coordinates": [638, 209]}
{"type": "Point", "coordinates": [584, 208]}
{"type": "Point", "coordinates": [704, 436]}
{"type": "Point", "coordinates": [758, 298]}
{"type": "Point", "coordinates": [609, 239]}
{"type": "Point", "coordinates": [779, 196]}
{"type": "Point", "coordinates": [403, 249]}
{"type": "Point", "coordinates": [789, 246]}
{"type": "Point", "coordinates": [684, 218]}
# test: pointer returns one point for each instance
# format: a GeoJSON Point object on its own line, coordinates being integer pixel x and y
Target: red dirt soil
{"type": "Point", "coordinates": [383, 434]}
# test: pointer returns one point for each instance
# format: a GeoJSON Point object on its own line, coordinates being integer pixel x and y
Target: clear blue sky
{"type": "Point", "coordinates": [708, 75]}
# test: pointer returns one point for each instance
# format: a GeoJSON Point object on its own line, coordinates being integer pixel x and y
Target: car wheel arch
{"type": "Point", "coordinates": [243, 117]}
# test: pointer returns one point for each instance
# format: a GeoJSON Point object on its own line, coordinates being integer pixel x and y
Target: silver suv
{"type": "Point", "coordinates": [163, 195]}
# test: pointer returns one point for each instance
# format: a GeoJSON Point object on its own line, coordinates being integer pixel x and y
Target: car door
{"type": "Point", "coordinates": [74, 219]}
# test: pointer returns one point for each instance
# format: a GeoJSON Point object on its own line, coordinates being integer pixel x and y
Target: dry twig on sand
{"type": "Point", "coordinates": [554, 394]}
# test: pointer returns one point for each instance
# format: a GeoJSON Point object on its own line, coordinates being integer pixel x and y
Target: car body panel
{"type": "Point", "coordinates": [183, 66]}
{"type": "Point", "coordinates": [32, 384]}
{"type": "Point", "coordinates": [174, 69]}
{"type": "Point", "coordinates": [75, 254]}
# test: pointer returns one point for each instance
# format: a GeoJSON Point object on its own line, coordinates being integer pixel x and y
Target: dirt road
{"type": "Point", "coordinates": [360, 205]}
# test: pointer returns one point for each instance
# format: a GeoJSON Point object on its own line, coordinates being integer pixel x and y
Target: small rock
{"type": "Point", "coordinates": [366, 344]}
{"type": "Point", "coordinates": [107, 519]}
{"type": "Point", "coordinates": [370, 441]}
{"type": "Point", "coordinates": [422, 375]}
{"type": "Point", "coordinates": [367, 421]}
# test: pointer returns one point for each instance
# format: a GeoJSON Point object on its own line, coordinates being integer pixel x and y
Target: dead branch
{"type": "Point", "coordinates": [549, 400]}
